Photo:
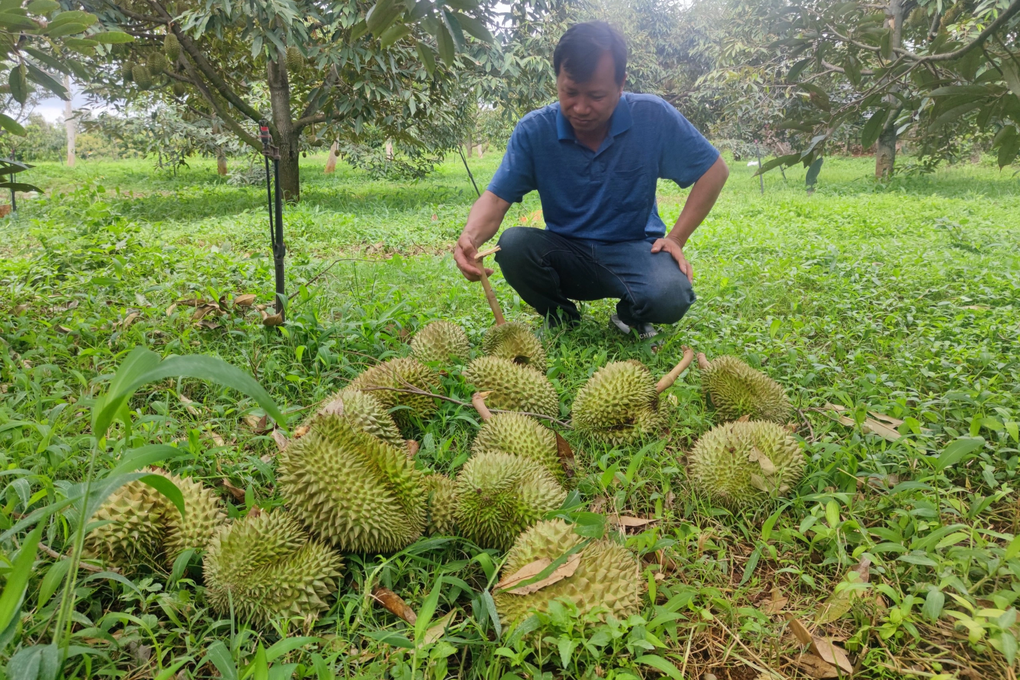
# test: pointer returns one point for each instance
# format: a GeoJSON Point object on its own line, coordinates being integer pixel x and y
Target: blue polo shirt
{"type": "Point", "coordinates": [605, 195]}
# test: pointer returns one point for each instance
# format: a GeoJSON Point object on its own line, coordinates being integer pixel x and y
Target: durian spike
{"type": "Point", "coordinates": [702, 361]}
{"type": "Point", "coordinates": [490, 296]}
{"type": "Point", "coordinates": [667, 380]}
{"type": "Point", "coordinates": [478, 401]}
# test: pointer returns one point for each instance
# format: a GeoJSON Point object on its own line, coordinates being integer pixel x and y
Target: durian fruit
{"type": "Point", "coordinates": [352, 490]}
{"type": "Point", "coordinates": [295, 60]}
{"type": "Point", "coordinates": [442, 505]}
{"type": "Point", "coordinates": [171, 47]}
{"type": "Point", "coordinates": [519, 435]}
{"type": "Point", "coordinates": [607, 576]}
{"type": "Point", "coordinates": [179, 89]}
{"type": "Point", "coordinates": [745, 462]}
{"type": "Point", "coordinates": [513, 387]}
{"type": "Point", "coordinates": [499, 495]}
{"type": "Point", "coordinates": [401, 373]}
{"type": "Point", "coordinates": [127, 71]}
{"type": "Point", "coordinates": [620, 402]}
{"type": "Point", "coordinates": [438, 341]}
{"type": "Point", "coordinates": [362, 411]}
{"type": "Point", "coordinates": [141, 77]}
{"type": "Point", "coordinates": [738, 390]}
{"type": "Point", "coordinates": [156, 63]}
{"type": "Point", "coordinates": [136, 517]}
{"type": "Point", "coordinates": [515, 341]}
{"type": "Point", "coordinates": [203, 518]}
{"type": "Point", "coordinates": [265, 567]}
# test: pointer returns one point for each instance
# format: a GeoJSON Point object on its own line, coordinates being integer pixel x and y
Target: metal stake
{"type": "Point", "coordinates": [275, 205]}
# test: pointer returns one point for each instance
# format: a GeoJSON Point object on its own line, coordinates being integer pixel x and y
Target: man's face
{"type": "Point", "coordinates": [589, 105]}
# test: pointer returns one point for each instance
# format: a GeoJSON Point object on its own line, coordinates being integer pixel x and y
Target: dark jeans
{"type": "Point", "coordinates": [548, 271]}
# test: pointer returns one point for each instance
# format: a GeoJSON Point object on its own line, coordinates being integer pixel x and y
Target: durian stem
{"type": "Point", "coordinates": [702, 361]}
{"type": "Point", "coordinates": [667, 380]}
{"type": "Point", "coordinates": [490, 295]}
{"type": "Point", "coordinates": [478, 401]}
{"type": "Point", "coordinates": [81, 565]}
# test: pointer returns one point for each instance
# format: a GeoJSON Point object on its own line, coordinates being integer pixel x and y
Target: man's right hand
{"type": "Point", "coordinates": [465, 254]}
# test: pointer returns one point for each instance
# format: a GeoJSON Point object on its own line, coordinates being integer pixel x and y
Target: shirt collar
{"type": "Point", "coordinates": [619, 122]}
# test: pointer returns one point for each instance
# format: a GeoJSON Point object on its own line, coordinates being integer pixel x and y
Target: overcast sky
{"type": "Point", "coordinates": [52, 108]}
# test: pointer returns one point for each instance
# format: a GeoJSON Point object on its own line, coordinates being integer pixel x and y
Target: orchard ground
{"type": "Point", "coordinates": [898, 303]}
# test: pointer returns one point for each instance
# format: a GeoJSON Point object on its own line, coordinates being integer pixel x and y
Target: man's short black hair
{"type": "Point", "coordinates": [581, 47]}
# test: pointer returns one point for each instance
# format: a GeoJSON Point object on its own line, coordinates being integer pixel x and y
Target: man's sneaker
{"type": "Point", "coordinates": [645, 331]}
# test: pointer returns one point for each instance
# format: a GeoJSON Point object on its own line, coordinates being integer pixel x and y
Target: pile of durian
{"type": "Point", "coordinates": [351, 485]}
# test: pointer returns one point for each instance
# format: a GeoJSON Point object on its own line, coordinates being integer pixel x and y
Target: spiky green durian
{"type": "Point", "coordinates": [133, 536]}
{"type": "Point", "coordinates": [156, 63]}
{"type": "Point", "coordinates": [203, 517]}
{"type": "Point", "coordinates": [266, 567]}
{"type": "Point", "coordinates": [438, 341]}
{"type": "Point", "coordinates": [141, 77]}
{"type": "Point", "coordinates": [364, 412]}
{"type": "Point", "coordinates": [499, 495]}
{"type": "Point", "coordinates": [352, 490]}
{"type": "Point", "coordinates": [402, 373]}
{"type": "Point", "coordinates": [520, 435]}
{"type": "Point", "coordinates": [513, 387]}
{"type": "Point", "coordinates": [607, 576]}
{"type": "Point", "coordinates": [618, 404]}
{"type": "Point", "coordinates": [127, 71]}
{"type": "Point", "coordinates": [741, 463]}
{"type": "Point", "coordinates": [295, 60]}
{"type": "Point", "coordinates": [442, 505]}
{"type": "Point", "coordinates": [515, 341]}
{"type": "Point", "coordinates": [180, 89]}
{"type": "Point", "coordinates": [738, 390]}
{"type": "Point", "coordinates": [171, 47]}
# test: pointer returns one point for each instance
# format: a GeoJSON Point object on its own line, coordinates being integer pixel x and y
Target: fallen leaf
{"type": "Point", "coordinates": [394, 604]}
{"type": "Point", "coordinates": [436, 631]}
{"type": "Point", "coordinates": [527, 571]}
{"type": "Point", "coordinates": [814, 667]}
{"type": "Point", "coordinates": [889, 420]}
{"type": "Point", "coordinates": [171, 309]}
{"type": "Point", "coordinates": [129, 319]}
{"type": "Point", "coordinates": [826, 651]}
{"type": "Point", "coordinates": [565, 570]}
{"type": "Point", "coordinates": [20, 309]}
{"type": "Point", "coordinates": [566, 454]}
{"type": "Point", "coordinates": [64, 329]}
{"type": "Point", "coordinates": [207, 324]}
{"type": "Point", "coordinates": [257, 425]}
{"type": "Point", "coordinates": [839, 603]}
{"type": "Point", "coordinates": [189, 405]}
{"type": "Point", "coordinates": [627, 522]}
{"type": "Point", "coordinates": [244, 300]}
{"type": "Point", "coordinates": [204, 310]}
{"type": "Point", "coordinates": [280, 439]}
{"type": "Point", "coordinates": [255, 511]}
{"type": "Point", "coordinates": [802, 634]}
{"type": "Point", "coordinates": [744, 418]}
{"type": "Point", "coordinates": [300, 431]}
{"type": "Point", "coordinates": [884, 431]}
{"type": "Point", "coordinates": [190, 302]}
{"type": "Point", "coordinates": [217, 440]}
{"type": "Point", "coordinates": [777, 603]}
{"type": "Point", "coordinates": [435, 217]}
{"type": "Point", "coordinates": [238, 494]}
{"type": "Point", "coordinates": [272, 319]}
{"type": "Point", "coordinates": [412, 447]}
{"type": "Point", "coordinates": [756, 456]}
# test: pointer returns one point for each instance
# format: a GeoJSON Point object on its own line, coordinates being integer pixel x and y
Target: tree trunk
{"type": "Point", "coordinates": [221, 156]}
{"type": "Point", "coordinates": [69, 124]}
{"type": "Point", "coordinates": [389, 149]}
{"type": "Point", "coordinates": [287, 135]}
{"type": "Point", "coordinates": [331, 160]}
{"type": "Point", "coordinates": [885, 151]}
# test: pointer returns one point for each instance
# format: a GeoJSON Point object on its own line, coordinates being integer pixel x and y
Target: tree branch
{"type": "Point", "coordinates": [245, 136]}
{"type": "Point", "coordinates": [1006, 15]}
{"type": "Point", "coordinates": [328, 81]}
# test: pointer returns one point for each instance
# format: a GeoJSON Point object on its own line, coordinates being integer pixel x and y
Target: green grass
{"type": "Point", "coordinates": [899, 299]}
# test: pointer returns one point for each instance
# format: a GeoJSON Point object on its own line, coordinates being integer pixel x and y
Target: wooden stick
{"type": "Point", "coordinates": [702, 361]}
{"type": "Point", "coordinates": [478, 401]}
{"type": "Point", "coordinates": [490, 296]}
{"type": "Point", "coordinates": [81, 565]}
{"type": "Point", "coordinates": [667, 380]}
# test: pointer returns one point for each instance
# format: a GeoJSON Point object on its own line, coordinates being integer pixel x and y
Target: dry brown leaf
{"type": "Point", "coordinates": [565, 570]}
{"type": "Point", "coordinates": [217, 440]}
{"type": "Point", "coordinates": [394, 604]}
{"type": "Point", "coordinates": [412, 447]}
{"type": "Point", "coordinates": [207, 324]}
{"type": "Point", "coordinates": [64, 329]}
{"type": "Point", "coordinates": [246, 300]}
{"type": "Point", "coordinates": [238, 494]}
{"type": "Point", "coordinates": [280, 439]}
{"type": "Point", "coordinates": [627, 522]}
{"type": "Point", "coordinates": [522, 574]}
{"type": "Point", "coordinates": [204, 310]}
{"type": "Point", "coordinates": [171, 309]}
{"type": "Point", "coordinates": [839, 603]}
{"type": "Point", "coordinates": [190, 302]}
{"type": "Point", "coordinates": [832, 654]}
{"type": "Point", "coordinates": [300, 431]}
{"type": "Point", "coordinates": [802, 633]}
{"type": "Point", "coordinates": [815, 668]}
{"type": "Point", "coordinates": [566, 454]}
{"type": "Point", "coordinates": [884, 431]}
{"type": "Point", "coordinates": [257, 425]}
{"type": "Point", "coordinates": [20, 309]}
{"type": "Point", "coordinates": [436, 630]}
{"type": "Point", "coordinates": [777, 603]}
{"type": "Point", "coordinates": [744, 418]}
{"type": "Point", "coordinates": [272, 319]}
{"type": "Point", "coordinates": [756, 456]}
{"type": "Point", "coordinates": [189, 405]}
{"type": "Point", "coordinates": [888, 420]}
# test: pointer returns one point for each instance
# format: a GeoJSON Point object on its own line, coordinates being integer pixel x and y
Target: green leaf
{"type": "Point", "coordinates": [259, 669]}
{"type": "Point", "coordinates": [74, 17]}
{"type": "Point", "coordinates": [967, 90]}
{"type": "Point", "coordinates": [933, 604]}
{"type": "Point", "coordinates": [463, 5]}
{"type": "Point", "coordinates": [61, 30]}
{"type": "Point", "coordinates": [1009, 143]}
{"type": "Point", "coordinates": [390, 638]}
{"type": "Point", "coordinates": [393, 34]}
{"type": "Point", "coordinates": [18, 84]}
{"type": "Point", "coordinates": [288, 645]}
{"type": "Point", "coordinates": [873, 128]}
{"type": "Point", "coordinates": [52, 580]}
{"type": "Point", "coordinates": [954, 113]}
{"type": "Point", "coordinates": [166, 487]}
{"type": "Point", "coordinates": [220, 657]}
{"type": "Point", "coordinates": [428, 608]}
{"type": "Point", "coordinates": [17, 579]}
{"type": "Point", "coordinates": [380, 16]}
{"type": "Point", "coordinates": [46, 80]}
{"type": "Point", "coordinates": [817, 96]}
{"type": "Point", "coordinates": [797, 69]}
{"type": "Point", "coordinates": [812, 173]}
{"type": "Point", "coordinates": [427, 58]}
{"type": "Point", "coordinates": [853, 70]}
{"type": "Point", "coordinates": [80, 45]}
{"type": "Point", "coordinates": [490, 606]}
{"type": "Point", "coordinates": [474, 27]}
{"type": "Point", "coordinates": [885, 44]}
{"type": "Point", "coordinates": [359, 29]}
{"type": "Point", "coordinates": [48, 60]}
{"type": "Point", "coordinates": [133, 459]}
{"type": "Point", "coordinates": [787, 160]}
{"type": "Point", "coordinates": [661, 665]}
{"type": "Point", "coordinates": [112, 37]}
{"type": "Point", "coordinates": [42, 6]}
{"type": "Point", "coordinates": [445, 40]}
{"type": "Point", "coordinates": [957, 450]}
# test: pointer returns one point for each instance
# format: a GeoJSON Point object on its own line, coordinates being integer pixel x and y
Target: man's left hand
{"type": "Point", "coordinates": [674, 249]}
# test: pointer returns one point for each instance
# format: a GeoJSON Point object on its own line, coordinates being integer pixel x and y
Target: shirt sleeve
{"type": "Point", "coordinates": [686, 154]}
{"type": "Point", "coordinates": [516, 174]}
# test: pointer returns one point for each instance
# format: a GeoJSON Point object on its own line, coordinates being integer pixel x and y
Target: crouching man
{"type": "Point", "coordinates": [595, 157]}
